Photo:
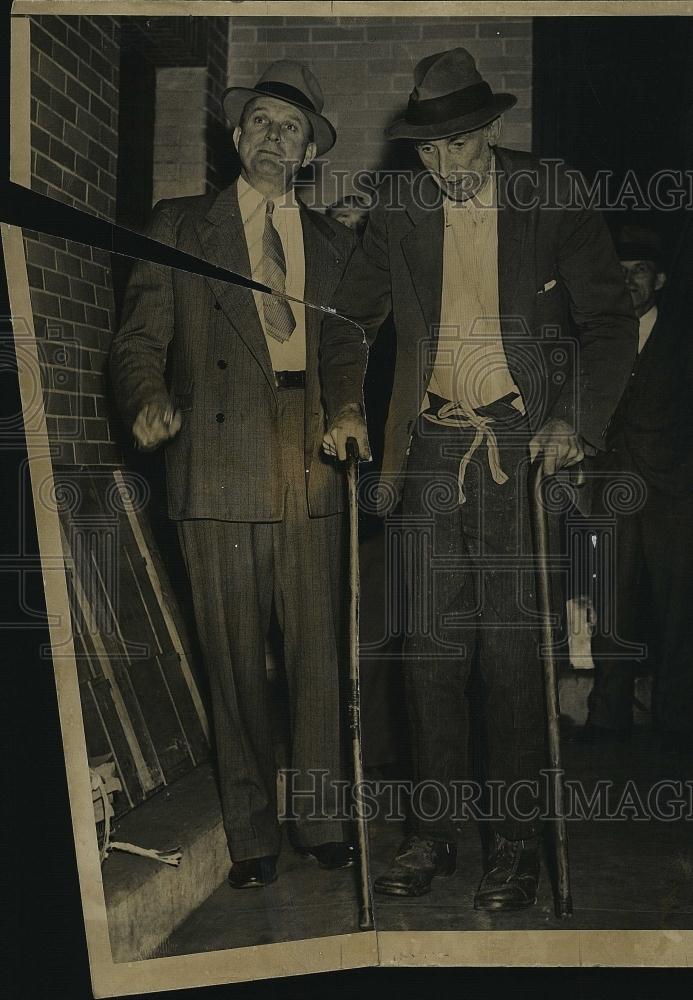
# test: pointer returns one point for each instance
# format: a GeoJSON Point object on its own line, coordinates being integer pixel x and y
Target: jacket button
{"type": "Point", "coordinates": [220, 418]}
{"type": "Point", "coordinates": [217, 306]}
{"type": "Point", "coordinates": [221, 364]}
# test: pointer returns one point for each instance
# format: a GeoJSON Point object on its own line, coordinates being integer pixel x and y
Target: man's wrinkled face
{"type": "Point", "coordinates": [643, 280]}
{"type": "Point", "coordinates": [273, 142]}
{"type": "Point", "coordinates": [460, 164]}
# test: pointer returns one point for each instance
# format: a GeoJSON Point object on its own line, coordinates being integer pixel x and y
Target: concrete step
{"type": "Point", "coordinates": [145, 899]}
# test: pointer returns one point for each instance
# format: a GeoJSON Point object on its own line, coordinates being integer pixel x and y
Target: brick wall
{"type": "Point", "coordinates": [180, 149]}
{"type": "Point", "coordinates": [189, 120]}
{"type": "Point", "coordinates": [365, 69]}
{"type": "Point", "coordinates": [74, 112]}
{"type": "Point", "coordinates": [74, 139]}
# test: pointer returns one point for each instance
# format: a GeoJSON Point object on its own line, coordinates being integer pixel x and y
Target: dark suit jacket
{"type": "Point", "coordinates": [570, 348]}
{"type": "Point", "coordinates": [651, 433]}
{"type": "Point", "coordinates": [201, 341]}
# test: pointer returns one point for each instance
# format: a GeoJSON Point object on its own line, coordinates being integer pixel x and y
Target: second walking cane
{"type": "Point", "coordinates": [366, 905]}
{"type": "Point", "coordinates": [540, 531]}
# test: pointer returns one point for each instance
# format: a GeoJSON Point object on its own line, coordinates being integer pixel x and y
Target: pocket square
{"type": "Point", "coordinates": [547, 287]}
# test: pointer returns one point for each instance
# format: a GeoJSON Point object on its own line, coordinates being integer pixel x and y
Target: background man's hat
{"type": "Point", "coordinates": [639, 243]}
{"type": "Point", "coordinates": [449, 97]}
{"type": "Point", "coordinates": [293, 83]}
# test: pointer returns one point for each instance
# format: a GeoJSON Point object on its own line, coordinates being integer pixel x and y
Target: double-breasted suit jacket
{"type": "Point", "coordinates": [200, 340]}
{"type": "Point", "coordinates": [568, 327]}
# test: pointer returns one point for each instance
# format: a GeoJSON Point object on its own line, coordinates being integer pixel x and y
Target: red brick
{"type": "Point", "coordinates": [73, 311]}
{"type": "Point", "coordinates": [35, 275]}
{"type": "Point", "coordinates": [65, 58]}
{"type": "Point", "coordinates": [110, 454]}
{"type": "Point", "coordinates": [64, 107]}
{"type": "Point", "coordinates": [77, 93]}
{"type": "Point", "coordinates": [76, 139]}
{"type": "Point", "coordinates": [47, 171]}
{"type": "Point", "coordinates": [503, 64]}
{"type": "Point", "coordinates": [56, 283]}
{"type": "Point", "coordinates": [51, 73]}
{"type": "Point", "coordinates": [102, 66]}
{"type": "Point", "coordinates": [39, 254]}
{"type": "Point", "coordinates": [50, 121]}
{"type": "Point", "coordinates": [441, 31]}
{"type": "Point", "coordinates": [86, 454]}
{"type": "Point", "coordinates": [45, 304]}
{"type": "Point", "coordinates": [517, 81]}
{"type": "Point", "coordinates": [40, 37]}
{"type": "Point", "coordinates": [242, 35]}
{"type": "Point", "coordinates": [57, 403]}
{"type": "Point", "coordinates": [99, 318]}
{"type": "Point", "coordinates": [40, 92]}
{"type": "Point", "coordinates": [337, 33]}
{"type": "Point", "coordinates": [506, 28]}
{"type": "Point", "coordinates": [62, 154]}
{"type": "Point", "coordinates": [100, 110]}
{"type": "Point", "coordinates": [86, 169]}
{"type": "Point", "coordinates": [82, 290]}
{"type": "Point", "coordinates": [283, 35]}
{"type": "Point", "coordinates": [40, 140]}
{"type": "Point", "coordinates": [385, 32]}
{"type": "Point", "coordinates": [67, 263]}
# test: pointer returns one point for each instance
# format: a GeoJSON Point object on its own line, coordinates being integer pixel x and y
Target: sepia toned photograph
{"type": "Point", "coordinates": [360, 448]}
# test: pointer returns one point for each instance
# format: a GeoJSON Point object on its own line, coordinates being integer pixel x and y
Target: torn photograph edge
{"type": "Point", "coordinates": [564, 947]}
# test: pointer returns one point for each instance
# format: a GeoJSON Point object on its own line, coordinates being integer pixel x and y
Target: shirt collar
{"type": "Point", "coordinates": [251, 201]}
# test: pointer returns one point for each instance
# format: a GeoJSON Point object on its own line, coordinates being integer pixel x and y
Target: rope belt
{"type": "Point", "coordinates": [452, 414]}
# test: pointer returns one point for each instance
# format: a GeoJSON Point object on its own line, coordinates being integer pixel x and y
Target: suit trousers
{"type": "Point", "coordinates": [472, 599]}
{"type": "Point", "coordinates": [651, 594]}
{"type": "Point", "coordinates": [239, 572]}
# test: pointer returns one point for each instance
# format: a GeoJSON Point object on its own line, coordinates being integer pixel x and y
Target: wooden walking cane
{"type": "Point", "coordinates": [366, 905]}
{"type": "Point", "coordinates": [540, 532]}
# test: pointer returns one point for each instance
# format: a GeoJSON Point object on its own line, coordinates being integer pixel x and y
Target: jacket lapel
{"type": "Point", "coordinates": [422, 247]}
{"type": "Point", "coordinates": [223, 240]}
{"type": "Point", "coordinates": [512, 233]}
{"type": "Point", "coordinates": [323, 268]}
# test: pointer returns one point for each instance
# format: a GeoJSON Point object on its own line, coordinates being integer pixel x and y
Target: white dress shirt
{"type": "Point", "coordinates": [470, 367]}
{"type": "Point", "coordinates": [291, 354]}
{"type": "Point", "coordinates": [647, 322]}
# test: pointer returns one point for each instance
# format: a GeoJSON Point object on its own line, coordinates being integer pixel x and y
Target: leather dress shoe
{"type": "Point", "coordinates": [331, 856]}
{"type": "Point", "coordinates": [512, 875]}
{"type": "Point", "coordinates": [253, 872]}
{"type": "Point", "coordinates": [415, 865]}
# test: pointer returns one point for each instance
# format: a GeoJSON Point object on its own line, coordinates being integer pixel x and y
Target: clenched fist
{"type": "Point", "coordinates": [155, 423]}
{"type": "Point", "coordinates": [349, 422]}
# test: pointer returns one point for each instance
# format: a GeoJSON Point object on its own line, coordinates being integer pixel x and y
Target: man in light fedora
{"type": "Point", "coordinates": [515, 339]}
{"type": "Point", "coordinates": [227, 380]}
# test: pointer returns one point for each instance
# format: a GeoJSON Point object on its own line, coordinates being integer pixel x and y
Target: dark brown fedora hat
{"type": "Point", "coordinates": [292, 82]}
{"type": "Point", "coordinates": [449, 97]}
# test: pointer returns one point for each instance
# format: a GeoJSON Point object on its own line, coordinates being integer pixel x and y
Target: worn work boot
{"type": "Point", "coordinates": [512, 875]}
{"type": "Point", "coordinates": [416, 864]}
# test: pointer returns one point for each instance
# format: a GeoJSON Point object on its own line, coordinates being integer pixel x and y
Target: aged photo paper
{"type": "Point", "coordinates": [362, 481]}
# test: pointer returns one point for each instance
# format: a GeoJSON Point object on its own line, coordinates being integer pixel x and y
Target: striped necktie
{"type": "Point", "coordinates": [279, 319]}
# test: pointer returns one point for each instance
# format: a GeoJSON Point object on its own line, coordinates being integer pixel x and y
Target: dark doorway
{"type": "Point", "coordinates": [616, 94]}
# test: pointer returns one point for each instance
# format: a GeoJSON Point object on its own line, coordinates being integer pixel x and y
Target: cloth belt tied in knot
{"type": "Point", "coordinates": [452, 414]}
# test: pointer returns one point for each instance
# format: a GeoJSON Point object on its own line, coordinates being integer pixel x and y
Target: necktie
{"type": "Point", "coordinates": [279, 319]}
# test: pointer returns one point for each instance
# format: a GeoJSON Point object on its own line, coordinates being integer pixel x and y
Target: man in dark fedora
{"type": "Point", "coordinates": [227, 380]}
{"type": "Point", "coordinates": [515, 339]}
{"type": "Point", "coordinates": [647, 594]}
